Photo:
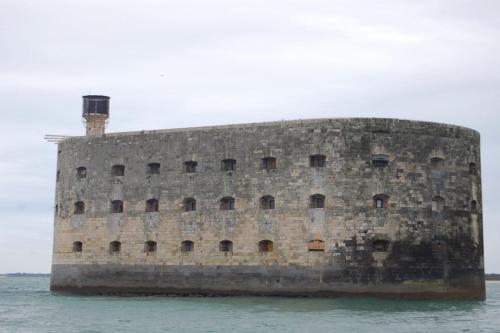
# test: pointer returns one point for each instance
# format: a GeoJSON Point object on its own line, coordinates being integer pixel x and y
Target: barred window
{"type": "Point", "coordinates": [437, 163]}
{"type": "Point", "coordinates": [153, 168]}
{"type": "Point", "coordinates": [380, 245]}
{"type": "Point", "coordinates": [115, 247]}
{"type": "Point", "coordinates": [189, 204]}
{"type": "Point", "coordinates": [226, 246]}
{"type": "Point", "coordinates": [116, 206]}
{"type": "Point", "coordinates": [150, 247]}
{"type": "Point", "coordinates": [269, 163]}
{"type": "Point", "coordinates": [79, 208]}
{"type": "Point", "coordinates": [81, 172]}
{"type": "Point", "coordinates": [267, 202]}
{"type": "Point", "coordinates": [118, 170]}
{"type": "Point", "coordinates": [227, 203]}
{"type": "Point", "coordinates": [473, 206]}
{"type": "Point", "coordinates": [190, 166]}
{"type": "Point", "coordinates": [187, 246]}
{"type": "Point", "coordinates": [317, 161]}
{"type": "Point", "coordinates": [317, 201]}
{"type": "Point", "coordinates": [472, 169]}
{"type": "Point", "coordinates": [228, 165]}
{"type": "Point", "coordinates": [380, 160]}
{"type": "Point", "coordinates": [77, 246]}
{"type": "Point", "coordinates": [152, 205]}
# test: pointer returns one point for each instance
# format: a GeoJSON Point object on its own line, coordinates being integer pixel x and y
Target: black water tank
{"type": "Point", "coordinates": [96, 104]}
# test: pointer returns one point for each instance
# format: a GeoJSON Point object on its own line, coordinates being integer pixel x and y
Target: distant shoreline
{"type": "Point", "coordinates": [488, 277]}
{"type": "Point", "coordinates": [25, 275]}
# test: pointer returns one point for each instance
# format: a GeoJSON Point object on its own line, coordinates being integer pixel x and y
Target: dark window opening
{"type": "Point", "coordinates": [150, 247]}
{"type": "Point", "coordinates": [57, 208]}
{"type": "Point", "coordinates": [438, 204]}
{"type": "Point", "coordinates": [267, 202]}
{"type": "Point", "coordinates": [226, 246]}
{"type": "Point", "coordinates": [472, 169]}
{"type": "Point", "coordinates": [118, 170]}
{"type": "Point", "coordinates": [316, 245]}
{"type": "Point", "coordinates": [227, 203]}
{"type": "Point", "coordinates": [381, 245]}
{"type": "Point", "coordinates": [190, 166]}
{"type": "Point", "coordinates": [116, 206]}
{"type": "Point", "coordinates": [473, 206]}
{"type": "Point", "coordinates": [317, 161]}
{"type": "Point", "coordinates": [153, 169]}
{"type": "Point", "coordinates": [381, 131]}
{"type": "Point", "coordinates": [269, 163]}
{"type": "Point", "coordinates": [317, 201]}
{"type": "Point", "coordinates": [79, 207]}
{"type": "Point", "coordinates": [380, 201]}
{"type": "Point", "coordinates": [115, 247]}
{"type": "Point", "coordinates": [437, 163]}
{"type": "Point", "coordinates": [77, 246]}
{"type": "Point", "coordinates": [438, 247]}
{"type": "Point", "coordinates": [228, 165]}
{"type": "Point", "coordinates": [380, 160]}
{"type": "Point", "coordinates": [189, 204]}
{"type": "Point", "coordinates": [58, 175]}
{"type": "Point", "coordinates": [81, 172]}
{"type": "Point", "coordinates": [187, 246]}
{"type": "Point", "coordinates": [152, 205]}
{"type": "Point", "coordinates": [265, 246]}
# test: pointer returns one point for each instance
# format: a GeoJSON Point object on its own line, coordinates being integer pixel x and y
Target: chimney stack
{"type": "Point", "coordinates": [95, 114]}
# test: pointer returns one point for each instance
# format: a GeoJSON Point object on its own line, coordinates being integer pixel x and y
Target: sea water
{"type": "Point", "coordinates": [27, 305]}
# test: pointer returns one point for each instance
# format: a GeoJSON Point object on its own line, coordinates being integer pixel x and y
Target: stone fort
{"type": "Point", "coordinates": [320, 207]}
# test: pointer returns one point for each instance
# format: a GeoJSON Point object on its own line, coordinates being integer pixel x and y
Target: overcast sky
{"type": "Point", "coordinates": [169, 64]}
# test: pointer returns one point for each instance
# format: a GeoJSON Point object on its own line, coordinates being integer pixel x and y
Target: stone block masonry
{"type": "Point", "coordinates": [322, 207]}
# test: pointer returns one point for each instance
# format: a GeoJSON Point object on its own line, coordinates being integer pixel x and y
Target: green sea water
{"type": "Point", "coordinates": [27, 305]}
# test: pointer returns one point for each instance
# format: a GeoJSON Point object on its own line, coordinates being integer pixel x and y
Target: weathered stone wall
{"type": "Point", "coordinates": [429, 253]}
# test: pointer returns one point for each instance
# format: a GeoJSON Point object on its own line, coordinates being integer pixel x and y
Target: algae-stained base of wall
{"type": "Point", "coordinates": [261, 281]}
{"type": "Point", "coordinates": [326, 207]}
